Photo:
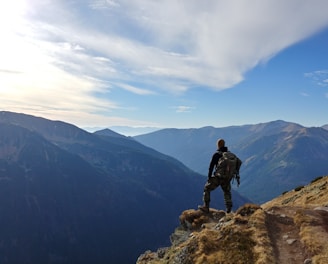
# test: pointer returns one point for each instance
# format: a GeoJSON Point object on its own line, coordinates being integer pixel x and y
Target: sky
{"type": "Point", "coordinates": [165, 64]}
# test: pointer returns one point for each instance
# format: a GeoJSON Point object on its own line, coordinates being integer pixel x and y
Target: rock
{"type": "Point", "coordinates": [290, 241]}
{"type": "Point", "coordinates": [322, 208]}
{"type": "Point", "coordinates": [180, 235]}
{"type": "Point", "coordinates": [161, 252]}
{"type": "Point", "coordinates": [247, 209]}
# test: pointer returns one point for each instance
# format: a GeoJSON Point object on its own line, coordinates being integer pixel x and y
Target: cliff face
{"type": "Point", "coordinates": [292, 228]}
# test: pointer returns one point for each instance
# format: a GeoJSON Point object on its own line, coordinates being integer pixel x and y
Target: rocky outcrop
{"type": "Point", "coordinates": [292, 228]}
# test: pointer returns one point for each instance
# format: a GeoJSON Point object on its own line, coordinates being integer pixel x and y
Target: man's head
{"type": "Point", "coordinates": [220, 143]}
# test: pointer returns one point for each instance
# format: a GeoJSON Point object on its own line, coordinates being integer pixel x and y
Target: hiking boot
{"type": "Point", "coordinates": [228, 210]}
{"type": "Point", "coordinates": [204, 208]}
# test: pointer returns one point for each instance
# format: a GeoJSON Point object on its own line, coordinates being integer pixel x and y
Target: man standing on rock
{"type": "Point", "coordinates": [220, 177]}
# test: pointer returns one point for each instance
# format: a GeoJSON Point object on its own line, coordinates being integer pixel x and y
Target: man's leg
{"type": "Point", "coordinates": [226, 188]}
{"type": "Point", "coordinates": [210, 185]}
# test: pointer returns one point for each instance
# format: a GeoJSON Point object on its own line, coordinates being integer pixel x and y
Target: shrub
{"type": "Point", "coordinates": [316, 179]}
{"type": "Point", "coordinates": [298, 188]}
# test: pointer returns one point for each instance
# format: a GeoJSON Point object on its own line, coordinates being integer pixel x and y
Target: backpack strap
{"type": "Point", "coordinates": [221, 154]}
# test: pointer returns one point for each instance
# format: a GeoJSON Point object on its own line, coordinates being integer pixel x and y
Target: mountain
{"type": "Point", "coordinates": [132, 131]}
{"type": "Point", "coordinates": [49, 202]}
{"type": "Point", "coordinates": [291, 228]}
{"type": "Point", "coordinates": [69, 196]}
{"type": "Point", "coordinates": [325, 127]}
{"type": "Point", "coordinates": [276, 155]}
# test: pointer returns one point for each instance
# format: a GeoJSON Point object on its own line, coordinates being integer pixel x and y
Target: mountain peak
{"type": "Point", "coordinates": [109, 133]}
{"type": "Point", "coordinates": [291, 228]}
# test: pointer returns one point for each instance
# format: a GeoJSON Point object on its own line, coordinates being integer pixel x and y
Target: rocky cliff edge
{"type": "Point", "coordinates": [292, 228]}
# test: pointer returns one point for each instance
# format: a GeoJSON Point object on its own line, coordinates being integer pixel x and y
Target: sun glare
{"type": "Point", "coordinates": [11, 13]}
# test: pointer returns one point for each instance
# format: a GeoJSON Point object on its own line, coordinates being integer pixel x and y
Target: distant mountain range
{"type": "Point", "coordinates": [136, 131]}
{"type": "Point", "coordinates": [133, 131]}
{"type": "Point", "coordinates": [69, 196]}
{"type": "Point", "coordinates": [125, 130]}
{"type": "Point", "coordinates": [276, 155]}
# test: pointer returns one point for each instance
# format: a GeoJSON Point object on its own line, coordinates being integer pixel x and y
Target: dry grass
{"type": "Point", "coordinates": [262, 249]}
{"type": "Point", "coordinates": [313, 234]}
{"type": "Point", "coordinates": [312, 242]}
{"type": "Point", "coordinates": [232, 241]}
{"type": "Point", "coordinates": [310, 195]}
{"type": "Point", "coordinates": [228, 246]}
{"type": "Point", "coordinates": [193, 219]}
{"type": "Point", "coordinates": [244, 237]}
{"type": "Point", "coordinates": [322, 259]}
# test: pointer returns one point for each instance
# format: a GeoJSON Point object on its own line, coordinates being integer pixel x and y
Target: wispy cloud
{"type": "Point", "coordinates": [134, 89]}
{"type": "Point", "coordinates": [305, 94]}
{"type": "Point", "coordinates": [9, 71]}
{"type": "Point", "coordinates": [183, 109]}
{"type": "Point", "coordinates": [319, 77]}
{"type": "Point", "coordinates": [69, 53]}
{"type": "Point", "coordinates": [103, 4]}
{"type": "Point", "coordinates": [145, 39]}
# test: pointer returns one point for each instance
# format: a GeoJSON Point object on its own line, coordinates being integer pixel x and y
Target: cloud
{"type": "Point", "coordinates": [212, 45]}
{"type": "Point", "coordinates": [103, 4]}
{"type": "Point", "coordinates": [215, 44]}
{"type": "Point", "coordinates": [71, 54]}
{"type": "Point", "coordinates": [9, 71]}
{"type": "Point", "coordinates": [183, 109]}
{"type": "Point", "coordinates": [319, 77]}
{"type": "Point", "coordinates": [134, 89]}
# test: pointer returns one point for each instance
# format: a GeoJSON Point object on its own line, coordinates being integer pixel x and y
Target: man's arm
{"type": "Point", "coordinates": [214, 161]}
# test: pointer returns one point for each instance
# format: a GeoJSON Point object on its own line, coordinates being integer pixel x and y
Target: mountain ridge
{"type": "Point", "coordinates": [278, 154]}
{"type": "Point", "coordinates": [70, 196]}
{"type": "Point", "coordinates": [36, 184]}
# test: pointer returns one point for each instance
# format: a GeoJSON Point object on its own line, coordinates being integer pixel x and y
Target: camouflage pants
{"type": "Point", "coordinates": [211, 184]}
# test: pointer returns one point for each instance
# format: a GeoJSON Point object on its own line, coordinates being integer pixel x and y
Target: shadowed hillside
{"type": "Point", "coordinates": [292, 228]}
{"type": "Point", "coordinates": [69, 196]}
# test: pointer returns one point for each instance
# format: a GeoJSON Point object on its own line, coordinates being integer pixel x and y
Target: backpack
{"type": "Point", "coordinates": [228, 166]}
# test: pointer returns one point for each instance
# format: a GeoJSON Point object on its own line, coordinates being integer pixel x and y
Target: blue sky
{"type": "Point", "coordinates": [183, 64]}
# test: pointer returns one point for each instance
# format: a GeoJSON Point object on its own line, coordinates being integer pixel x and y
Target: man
{"type": "Point", "coordinates": [214, 181]}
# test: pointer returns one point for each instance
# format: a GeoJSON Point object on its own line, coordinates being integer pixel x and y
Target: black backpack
{"type": "Point", "coordinates": [228, 166]}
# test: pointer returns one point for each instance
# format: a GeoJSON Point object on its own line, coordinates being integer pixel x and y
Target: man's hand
{"type": "Point", "coordinates": [238, 180]}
